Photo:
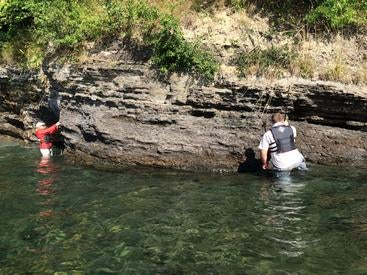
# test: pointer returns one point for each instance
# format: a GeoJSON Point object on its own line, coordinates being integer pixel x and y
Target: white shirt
{"type": "Point", "coordinates": [282, 161]}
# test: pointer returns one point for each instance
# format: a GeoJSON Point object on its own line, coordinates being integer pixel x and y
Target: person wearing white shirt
{"type": "Point", "coordinates": [279, 140]}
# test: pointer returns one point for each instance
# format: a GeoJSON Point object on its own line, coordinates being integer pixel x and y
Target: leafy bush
{"type": "Point", "coordinates": [14, 15]}
{"type": "Point", "coordinates": [171, 52]}
{"type": "Point", "coordinates": [334, 14]}
{"type": "Point", "coordinates": [29, 28]}
{"type": "Point", "coordinates": [262, 60]}
{"type": "Point", "coordinates": [338, 14]}
{"type": "Point", "coordinates": [31, 25]}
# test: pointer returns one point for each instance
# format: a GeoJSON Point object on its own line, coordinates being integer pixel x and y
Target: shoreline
{"type": "Point", "coordinates": [88, 161]}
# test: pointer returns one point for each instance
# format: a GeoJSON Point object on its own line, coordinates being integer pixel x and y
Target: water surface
{"type": "Point", "coordinates": [63, 219]}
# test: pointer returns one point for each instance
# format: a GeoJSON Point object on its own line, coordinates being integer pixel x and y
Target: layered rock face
{"type": "Point", "coordinates": [116, 111]}
{"type": "Point", "coordinates": [25, 98]}
{"type": "Point", "coordinates": [20, 93]}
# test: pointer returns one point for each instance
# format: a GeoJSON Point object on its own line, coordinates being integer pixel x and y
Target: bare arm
{"type": "Point", "coordinates": [264, 158]}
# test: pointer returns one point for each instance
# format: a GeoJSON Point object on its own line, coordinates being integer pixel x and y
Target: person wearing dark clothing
{"type": "Point", "coordinates": [251, 164]}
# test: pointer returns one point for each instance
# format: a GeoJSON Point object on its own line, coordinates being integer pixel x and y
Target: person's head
{"type": "Point", "coordinates": [249, 153]}
{"type": "Point", "coordinates": [279, 117]}
{"type": "Point", "coordinates": [40, 125]}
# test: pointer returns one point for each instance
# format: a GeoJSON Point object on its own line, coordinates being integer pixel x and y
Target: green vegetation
{"type": "Point", "coordinates": [260, 61]}
{"type": "Point", "coordinates": [338, 14]}
{"type": "Point", "coordinates": [320, 14]}
{"type": "Point", "coordinates": [30, 28]}
{"type": "Point", "coordinates": [171, 52]}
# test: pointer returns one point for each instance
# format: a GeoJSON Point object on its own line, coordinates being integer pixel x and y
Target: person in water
{"type": "Point", "coordinates": [251, 163]}
{"type": "Point", "coordinates": [279, 141]}
{"type": "Point", "coordinates": [44, 136]}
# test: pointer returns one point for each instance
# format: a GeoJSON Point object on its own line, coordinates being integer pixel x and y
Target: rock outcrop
{"type": "Point", "coordinates": [25, 98]}
{"type": "Point", "coordinates": [116, 111]}
{"type": "Point", "coordinates": [20, 93]}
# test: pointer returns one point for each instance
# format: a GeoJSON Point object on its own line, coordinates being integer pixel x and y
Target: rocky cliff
{"type": "Point", "coordinates": [25, 97]}
{"type": "Point", "coordinates": [116, 111]}
{"type": "Point", "coordinates": [20, 93]}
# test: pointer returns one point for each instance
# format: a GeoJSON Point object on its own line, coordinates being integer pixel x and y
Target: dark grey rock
{"type": "Point", "coordinates": [117, 112]}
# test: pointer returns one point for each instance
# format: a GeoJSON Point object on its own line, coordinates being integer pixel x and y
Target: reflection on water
{"type": "Point", "coordinates": [284, 213]}
{"type": "Point", "coordinates": [47, 168]}
{"type": "Point", "coordinates": [58, 218]}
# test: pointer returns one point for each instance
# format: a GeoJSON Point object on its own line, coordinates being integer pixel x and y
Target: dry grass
{"type": "Point", "coordinates": [178, 9]}
{"type": "Point", "coordinates": [344, 61]}
{"type": "Point", "coordinates": [303, 66]}
{"type": "Point", "coordinates": [336, 72]}
{"type": "Point", "coordinates": [338, 58]}
{"type": "Point", "coordinates": [30, 56]}
{"type": "Point", "coordinates": [33, 56]}
{"type": "Point", "coordinates": [274, 72]}
{"type": "Point", "coordinates": [83, 56]}
{"type": "Point", "coordinates": [227, 33]}
{"type": "Point", "coordinates": [360, 77]}
{"type": "Point", "coordinates": [7, 54]}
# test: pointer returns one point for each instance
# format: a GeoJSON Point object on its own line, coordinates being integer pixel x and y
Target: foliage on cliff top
{"type": "Point", "coordinates": [29, 28]}
{"type": "Point", "coordinates": [338, 14]}
{"type": "Point", "coordinates": [319, 14]}
{"type": "Point", "coordinates": [261, 60]}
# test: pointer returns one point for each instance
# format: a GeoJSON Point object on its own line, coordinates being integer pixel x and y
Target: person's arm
{"type": "Point", "coordinates": [264, 158]}
{"type": "Point", "coordinates": [264, 147]}
{"type": "Point", "coordinates": [294, 132]}
{"type": "Point", "coordinates": [52, 129]}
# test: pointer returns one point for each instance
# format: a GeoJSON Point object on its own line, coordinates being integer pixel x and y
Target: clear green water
{"type": "Point", "coordinates": [57, 218]}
